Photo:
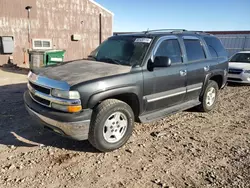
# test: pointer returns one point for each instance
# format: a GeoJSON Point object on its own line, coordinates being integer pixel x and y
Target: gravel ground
{"type": "Point", "coordinates": [188, 149]}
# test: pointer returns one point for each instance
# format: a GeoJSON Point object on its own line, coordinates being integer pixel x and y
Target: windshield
{"type": "Point", "coordinates": [123, 50]}
{"type": "Point", "coordinates": [241, 57]}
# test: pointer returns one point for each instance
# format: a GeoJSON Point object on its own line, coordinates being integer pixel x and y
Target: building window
{"type": "Point", "coordinates": [41, 44]}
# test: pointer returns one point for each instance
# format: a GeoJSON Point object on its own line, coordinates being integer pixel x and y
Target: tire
{"type": "Point", "coordinates": [205, 106]}
{"type": "Point", "coordinates": [104, 121]}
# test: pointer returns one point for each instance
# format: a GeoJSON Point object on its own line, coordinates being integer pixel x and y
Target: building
{"type": "Point", "coordinates": [233, 41]}
{"type": "Point", "coordinates": [76, 26]}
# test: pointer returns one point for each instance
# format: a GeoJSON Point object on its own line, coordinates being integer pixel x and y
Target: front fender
{"type": "Point", "coordinates": [96, 98]}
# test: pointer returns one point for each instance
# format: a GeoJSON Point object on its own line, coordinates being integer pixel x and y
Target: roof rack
{"type": "Point", "coordinates": [165, 30]}
{"type": "Point", "coordinates": [172, 31]}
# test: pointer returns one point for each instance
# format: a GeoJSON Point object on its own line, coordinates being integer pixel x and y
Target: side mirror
{"type": "Point", "coordinates": [162, 61]}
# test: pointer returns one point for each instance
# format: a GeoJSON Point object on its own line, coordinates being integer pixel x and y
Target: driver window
{"type": "Point", "coordinates": [170, 48]}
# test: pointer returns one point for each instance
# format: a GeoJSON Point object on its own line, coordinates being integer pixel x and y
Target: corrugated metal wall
{"type": "Point", "coordinates": [235, 42]}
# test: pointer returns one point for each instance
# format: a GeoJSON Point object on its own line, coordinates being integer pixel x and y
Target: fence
{"type": "Point", "coordinates": [234, 44]}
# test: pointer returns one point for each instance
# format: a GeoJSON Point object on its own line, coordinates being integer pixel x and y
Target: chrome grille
{"type": "Point", "coordinates": [235, 71]}
{"type": "Point", "coordinates": [40, 88]}
{"type": "Point", "coordinates": [35, 93]}
{"type": "Point", "coordinates": [40, 91]}
{"type": "Point", "coordinates": [234, 79]}
{"type": "Point", "coordinates": [39, 100]}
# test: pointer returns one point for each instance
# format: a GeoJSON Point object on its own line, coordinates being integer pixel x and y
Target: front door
{"type": "Point", "coordinates": [165, 86]}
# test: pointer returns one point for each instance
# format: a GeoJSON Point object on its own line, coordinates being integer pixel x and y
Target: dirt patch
{"type": "Point", "coordinates": [188, 149]}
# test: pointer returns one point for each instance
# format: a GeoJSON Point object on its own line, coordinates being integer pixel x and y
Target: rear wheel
{"type": "Point", "coordinates": [111, 125]}
{"type": "Point", "coordinates": [210, 96]}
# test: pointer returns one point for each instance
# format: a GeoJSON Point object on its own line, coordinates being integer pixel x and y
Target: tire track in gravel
{"type": "Point", "coordinates": [196, 150]}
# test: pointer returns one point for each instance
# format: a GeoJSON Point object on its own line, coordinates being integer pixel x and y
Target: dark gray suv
{"type": "Point", "coordinates": [131, 77]}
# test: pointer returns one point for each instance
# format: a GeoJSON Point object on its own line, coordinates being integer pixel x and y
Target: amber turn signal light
{"type": "Point", "coordinates": [73, 109]}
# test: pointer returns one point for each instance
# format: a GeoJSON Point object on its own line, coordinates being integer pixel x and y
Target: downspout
{"type": "Point", "coordinates": [100, 28]}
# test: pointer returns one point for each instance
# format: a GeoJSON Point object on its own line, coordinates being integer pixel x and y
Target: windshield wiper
{"type": "Point", "coordinates": [92, 57]}
{"type": "Point", "coordinates": [110, 60]}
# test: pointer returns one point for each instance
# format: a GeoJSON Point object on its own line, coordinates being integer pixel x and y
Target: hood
{"type": "Point", "coordinates": [238, 65]}
{"type": "Point", "coordinates": [80, 71]}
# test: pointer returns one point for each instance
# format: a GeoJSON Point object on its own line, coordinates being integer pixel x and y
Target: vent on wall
{"type": "Point", "coordinates": [41, 44]}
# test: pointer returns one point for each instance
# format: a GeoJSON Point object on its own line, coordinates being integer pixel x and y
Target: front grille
{"type": "Point", "coordinates": [40, 88]}
{"type": "Point", "coordinates": [235, 71]}
{"type": "Point", "coordinates": [235, 79]}
{"type": "Point", "coordinates": [40, 100]}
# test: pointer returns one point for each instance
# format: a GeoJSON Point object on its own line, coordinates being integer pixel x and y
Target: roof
{"type": "Point", "coordinates": [228, 32]}
{"type": "Point", "coordinates": [210, 32]}
{"type": "Point", "coordinates": [97, 4]}
{"type": "Point", "coordinates": [248, 52]}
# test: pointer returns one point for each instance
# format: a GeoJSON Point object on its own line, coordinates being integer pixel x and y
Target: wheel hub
{"type": "Point", "coordinates": [115, 127]}
{"type": "Point", "coordinates": [211, 96]}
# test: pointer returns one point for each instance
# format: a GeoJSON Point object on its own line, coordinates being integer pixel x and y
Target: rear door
{"type": "Point", "coordinates": [198, 65]}
{"type": "Point", "coordinates": [165, 86]}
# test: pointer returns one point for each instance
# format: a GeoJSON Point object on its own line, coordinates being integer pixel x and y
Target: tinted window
{"type": "Point", "coordinates": [171, 49]}
{"type": "Point", "coordinates": [194, 50]}
{"type": "Point", "coordinates": [215, 47]}
{"type": "Point", "coordinates": [241, 57]}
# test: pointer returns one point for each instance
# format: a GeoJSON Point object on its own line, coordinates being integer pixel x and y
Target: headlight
{"type": "Point", "coordinates": [65, 94]}
{"type": "Point", "coordinates": [247, 71]}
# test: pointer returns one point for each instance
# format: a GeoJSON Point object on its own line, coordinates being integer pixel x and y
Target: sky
{"type": "Point", "coordinates": [209, 15]}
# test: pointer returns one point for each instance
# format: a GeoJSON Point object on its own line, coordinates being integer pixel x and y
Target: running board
{"type": "Point", "coordinates": [168, 111]}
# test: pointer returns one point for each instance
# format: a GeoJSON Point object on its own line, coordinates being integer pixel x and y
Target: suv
{"type": "Point", "coordinates": [130, 77]}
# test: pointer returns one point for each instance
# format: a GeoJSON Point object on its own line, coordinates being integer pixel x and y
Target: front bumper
{"type": "Point", "coordinates": [239, 78]}
{"type": "Point", "coordinates": [75, 126]}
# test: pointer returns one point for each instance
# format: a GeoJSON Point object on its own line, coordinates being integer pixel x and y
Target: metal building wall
{"type": "Point", "coordinates": [56, 20]}
{"type": "Point", "coordinates": [235, 42]}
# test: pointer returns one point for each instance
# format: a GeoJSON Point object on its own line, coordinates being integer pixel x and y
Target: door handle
{"type": "Point", "coordinates": [183, 72]}
{"type": "Point", "coordinates": [206, 68]}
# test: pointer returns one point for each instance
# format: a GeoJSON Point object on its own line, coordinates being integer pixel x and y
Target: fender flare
{"type": "Point", "coordinates": [209, 76]}
{"type": "Point", "coordinates": [96, 98]}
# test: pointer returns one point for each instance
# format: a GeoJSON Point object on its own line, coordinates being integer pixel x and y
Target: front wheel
{"type": "Point", "coordinates": [111, 125]}
{"type": "Point", "coordinates": [210, 96]}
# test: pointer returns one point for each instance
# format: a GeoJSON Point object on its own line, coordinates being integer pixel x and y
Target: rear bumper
{"type": "Point", "coordinates": [75, 126]}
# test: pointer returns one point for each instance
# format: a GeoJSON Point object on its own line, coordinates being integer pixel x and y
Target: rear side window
{"type": "Point", "coordinates": [194, 50]}
{"type": "Point", "coordinates": [215, 47]}
{"type": "Point", "coordinates": [171, 49]}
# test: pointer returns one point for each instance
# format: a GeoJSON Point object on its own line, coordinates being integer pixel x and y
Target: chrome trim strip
{"type": "Point", "coordinates": [38, 101]}
{"type": "Point", "coordinates": [53, 99]}
{"type": "Point", "coordinates": [172, 93]}
{"type": "Point", "coordinates": [47, 82]}
{"type": "Point", "coordinates": [194, 89]}
{"type": "Point", "coordinates": [166, 96]}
